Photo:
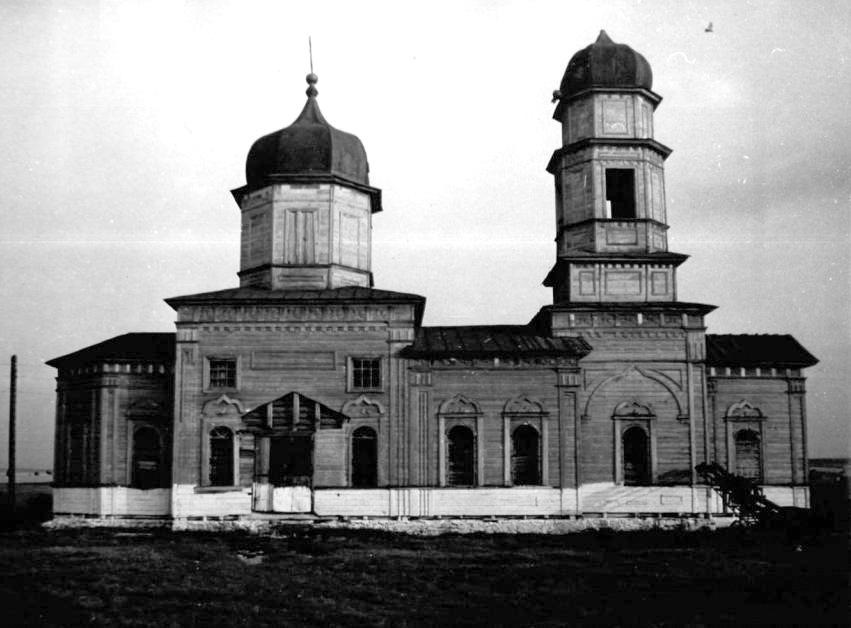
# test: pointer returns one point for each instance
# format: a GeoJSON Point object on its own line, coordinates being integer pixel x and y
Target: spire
{"type": "Point", "coordinates": [311, 78]}
{"type": "Point", "coordinates": [603, 38]}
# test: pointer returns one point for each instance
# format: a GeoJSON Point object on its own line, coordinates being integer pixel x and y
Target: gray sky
{"type": "Point", "coordinates": [125, 124]}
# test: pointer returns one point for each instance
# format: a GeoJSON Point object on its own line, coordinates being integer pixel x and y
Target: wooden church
{"type": "Point", "coordinates": [308, 390]}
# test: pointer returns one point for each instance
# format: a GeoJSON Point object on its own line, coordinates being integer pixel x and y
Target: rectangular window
{"type": "Point", "coordinates": [620, 193]}
{"type": "Point", "coordinates": [222, 373]}
{"type": "Point", "coordinates": [365, 373]}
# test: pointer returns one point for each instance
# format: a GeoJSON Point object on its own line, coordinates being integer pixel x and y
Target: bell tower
{"type": "Point", "coordinates": [612, 265]}
{"type": "Point", "coordinates": [611, 222]}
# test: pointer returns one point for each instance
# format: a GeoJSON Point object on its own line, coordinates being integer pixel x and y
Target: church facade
{"type": "Point", "coordinates": [308, 390]}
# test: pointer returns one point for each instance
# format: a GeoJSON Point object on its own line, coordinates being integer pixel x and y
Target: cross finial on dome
{"type": "Point", "coordinates": [603, 38]}
{"type": "Point", "coordinates": [311, 78]}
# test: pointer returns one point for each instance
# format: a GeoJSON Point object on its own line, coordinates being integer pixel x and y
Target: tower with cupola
{"type": "Point", "coordinates": [610, 182]}
{"type": "Point", "coordinates": [307, 207]}
{"type": "Point", "coordinates": [611, 218]}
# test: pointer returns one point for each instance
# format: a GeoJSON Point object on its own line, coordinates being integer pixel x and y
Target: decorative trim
{"type": "Point", "coordinates": [223, 406]}
{"type": "Point", "coordinates": [145, 409]}
{"type": "Point", "coordinates": [362, 407]}
{"type": "Point", "coordinates": [633, 410]}
{"type": "Point", "coordinates": [523, 404]}
{"type": "Point", "coordinates": [743, 411]}
{"type": "Point", "coordinates": [459, 405]}
{"type": "Point", "coordinates": [501, 363]}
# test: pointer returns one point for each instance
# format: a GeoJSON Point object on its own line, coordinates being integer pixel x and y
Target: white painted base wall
{"type": "Point", "coordinates": [188, 501]}
{"type": "Point", "coordinates": [446, 502]}
{"type": "Point", "coordinates": [798, 496]}
{"type": "Point", "coordinates": [292, 499]}
{"type": "Point", "coordinates": [117, 501]}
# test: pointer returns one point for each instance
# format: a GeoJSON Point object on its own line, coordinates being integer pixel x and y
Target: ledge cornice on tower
{"type": "Point", "coordinates": [308, 178]}
{"type": "Point", "coordinates": [564, 101]}
{"type": "Point", "coordinates": [589, 142]}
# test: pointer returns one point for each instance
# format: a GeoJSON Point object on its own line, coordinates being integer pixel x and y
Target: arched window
{"type": "Point", "coordinates": [748, 458]}
{"type": "Point", "coordinates": [636, 457]}
{"type": "Point", "coordinates": [525, 458]}
{"type": "Point", "coordinates": [462, 457]}
{"type": "Point", "coordinates": [221, 457]}
{"type": "Point", "coordinates": [364, 458]}
{"type": "Point", "coordinates": [147, 458]}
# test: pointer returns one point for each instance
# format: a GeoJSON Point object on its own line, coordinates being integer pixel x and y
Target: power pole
{"type": "Point", "coordinates": [10, 472]}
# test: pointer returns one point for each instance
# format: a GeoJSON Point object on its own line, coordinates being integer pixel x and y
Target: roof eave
{"type": "Point", "coordinates": [311, 177]}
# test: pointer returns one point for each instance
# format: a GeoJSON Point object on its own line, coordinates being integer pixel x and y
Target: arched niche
{"type": "Point", "coordinates": [629, 380]}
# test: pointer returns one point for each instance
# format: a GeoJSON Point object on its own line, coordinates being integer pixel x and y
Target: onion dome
{"type": "Point", "coordinates": [308, 149]}
{"type": "Point", "coordinates": [605, 64]}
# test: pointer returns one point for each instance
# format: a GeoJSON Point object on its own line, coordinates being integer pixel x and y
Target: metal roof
{"type": "Point", "coordinates": [491, 341]}
{"type": "Point", "coordinates": [136, 347]}
{"type": "Point", "coordinates": [756, 350]}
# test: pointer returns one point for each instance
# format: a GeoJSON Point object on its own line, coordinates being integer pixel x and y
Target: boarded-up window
{"type": "Point", "coordinates": [300, 237]}
{"type": "Point", "coordinates": [147, 458]}
{"type": "Point", "coordinates": [364, 458]}
{"type": "Point", "coordinates": [748, 458]}
{"type": "Point", "coordinates": [462, 457]}
{"type": "Point", "coordinates": [636, 457]}
{"type": "Point", "coordinates": [221, 457]}
{"type": "Point", "coordinates": [525, 458]}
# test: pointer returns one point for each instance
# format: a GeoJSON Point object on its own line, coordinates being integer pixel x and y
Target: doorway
{"type": "Point", "coordinates": [291, 460]}
{"type": "Point", "coordinates": [364, 458]}
{"type": "Point", "coordinates": [636, 457]}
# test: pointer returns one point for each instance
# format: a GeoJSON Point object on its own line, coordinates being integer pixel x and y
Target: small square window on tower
{"type": "Point", "coordinates": [222, 373]}
{"type": "Point", "coordinates": [365, 373]}
{"type": "Point", "coordinates": [620, 193]}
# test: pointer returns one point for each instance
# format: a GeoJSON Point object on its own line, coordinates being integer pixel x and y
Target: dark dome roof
{"type": "Point", "coordinates": [309, 146]}
{"type": "Point", "coordinates": [606, 64]}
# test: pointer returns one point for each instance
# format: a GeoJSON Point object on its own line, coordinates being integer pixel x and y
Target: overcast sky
{"type": "Point", "coordinates": [124, 125]}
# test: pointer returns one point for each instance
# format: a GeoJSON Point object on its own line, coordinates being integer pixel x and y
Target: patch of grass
{"type": "Point", "coordinates": [309, 577]}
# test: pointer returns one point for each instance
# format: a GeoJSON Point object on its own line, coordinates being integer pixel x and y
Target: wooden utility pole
{"type": "Point", "coordinates": [10, 472]}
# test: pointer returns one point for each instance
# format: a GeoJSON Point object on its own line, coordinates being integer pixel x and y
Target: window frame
{"type": "Point", "coordinates": [609, 207]}
{"type": "Point", "coordinates": [208, 372]}
{"type": "Point", "coordinates": [539, 470]}
{"type": "Point", "coordinates": [474, 455]}
{"type": "Point", "coordinates": [234, 458]}
{"type": "Point", "coordinates": [350, 373]}
{"type": "Point", "coordinates": [757, 451]}
{"type": "Point", "coordinates": [133, 480]}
